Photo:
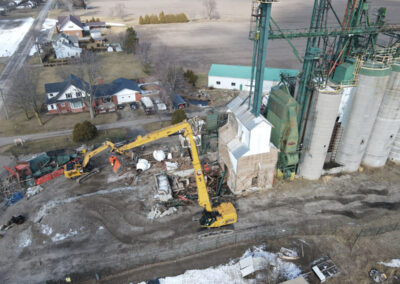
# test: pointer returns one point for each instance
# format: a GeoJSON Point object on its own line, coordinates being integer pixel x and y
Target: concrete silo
{"type": "Point", "coordinates": [387, 123]}
{"type": "Point", "coordinates": [372, 81]}
{"type": "Point", "coordinates": [318, 134]}
{"type": "Point", "coordinates": [394, 155]}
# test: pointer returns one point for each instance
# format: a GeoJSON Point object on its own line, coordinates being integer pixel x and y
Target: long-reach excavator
{"type": "Point", "coordinates": [212, 217]}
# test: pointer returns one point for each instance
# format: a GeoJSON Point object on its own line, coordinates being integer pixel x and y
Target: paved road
{"type": "Point", "coordinates": [132, 123]}
{"type": "Point", "coordinates": [18, 59]}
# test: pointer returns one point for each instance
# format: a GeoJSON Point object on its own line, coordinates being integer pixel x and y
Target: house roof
{"type": "Point", "coordinates": [62, 20]}
{"type": "Point", "coordinates": [60, 87]}
{"type": "Point", "coordinates": [115, 87]}
{"type": "Point", "coordinates": [70, 38]}
{"type": "Point", "coordinates": [244, 72]}
{"type": "Point", "coordinates": [95, 24]}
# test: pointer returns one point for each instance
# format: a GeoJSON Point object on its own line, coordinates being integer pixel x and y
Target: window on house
{"type": "Point", "coordinates": [218, 83]}
{"type": "Point", "coordinates": [62, 104]}
{"type": "Point", "coordinates": [69, 95]}
{"type": "Point", "coordinates": [52, 106]}
{"type": "Point", "coordinates": [233, 84]}
{"type": "Point", "coordinates": [50, 94]}
{"type": "Point", "coordinates": [78, 94]}
{"type": "Point", "coordinates": [76, 105]}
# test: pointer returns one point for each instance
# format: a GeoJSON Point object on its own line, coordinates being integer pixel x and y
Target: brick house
{"type": "Point", "coordinates": [67, 96]}
{"type": "Point", "coordinates": [70, 25]}
{"type": "Point", "coordinates": [120, 91]}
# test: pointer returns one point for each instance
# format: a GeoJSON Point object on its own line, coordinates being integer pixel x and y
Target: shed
{"type": "Point", "coordinates": [178, 102]}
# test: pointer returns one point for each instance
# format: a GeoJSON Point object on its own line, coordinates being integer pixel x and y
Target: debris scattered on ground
{"type": "Point", "coordinates": [171, 166]}
{"type": "Point", "coordinates": [377, 276]}
{"type": "Point", "coordinates": [142, 165]}
{"type": "Point", "coordinates": [59, 237]}
{"type": "Point", "coordinates": [159, 212]}
{"type": "Point", "coordinates": [15, 220]}
{"type": "Point", "coordinates": [276, 269]}
{"type": "Point", "coordinates": [288, 254]}
{"type": "Point", "coordinates": [159, 155]}
{"type": "Point", "coordinates": [14, 198]}
{"type": "Point", "coordinates": [32, 191]}
{"type": "Point", "coordinates": [325, 269]}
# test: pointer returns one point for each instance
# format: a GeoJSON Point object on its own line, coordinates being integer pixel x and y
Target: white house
{"type": "Point", "coordinates": [66, 46]}
{"type": "Point", "coordinates": [70, 25]}
{"type": "Point", "coordinates": [237, 77]}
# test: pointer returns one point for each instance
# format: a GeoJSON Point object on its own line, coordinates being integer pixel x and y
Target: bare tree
{"type": "Point", "coordinates": [210, 7]}
{"type": "Point", "coordinates": [67, 4]}
{"type": "Point", "coordinates": [120, 10]}
{"type": "Point", "coordinates": [169, 72]}
{"type": "Point", "coordinates": [24, 95]}
{"type": "Point", "coordinates": [90, 65]}
{"type": "Point", "coordinates": [143, 52]}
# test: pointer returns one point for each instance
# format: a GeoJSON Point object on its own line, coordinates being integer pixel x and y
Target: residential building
{"type": "Point", "coordinates": [66, 46]}
{"type": "Point", "coordinates": [67, 96]}
{"type": "Point", "coordinates": [237, 77]}
{"type": "Point", "coordinates": [70, 25]}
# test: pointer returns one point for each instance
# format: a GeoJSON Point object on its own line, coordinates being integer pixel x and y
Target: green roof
{"type": "Point", "coordinates": [244, 72]}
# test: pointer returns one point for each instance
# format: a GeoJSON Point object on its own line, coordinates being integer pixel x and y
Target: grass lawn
{"type": "Point", "coordinates": [153, 126]}
{"type": "Point", "coordinates": [114, 65]}
{"type": "Point", "coordinates": [62, 142]}
{"type": "Point", "coordinates": [202, 80]}
{"type": "Point", "coordinates": [18, 124]}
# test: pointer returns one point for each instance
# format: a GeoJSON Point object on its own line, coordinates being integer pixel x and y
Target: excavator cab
{"type": "Point", "coordinates": [224, 214]}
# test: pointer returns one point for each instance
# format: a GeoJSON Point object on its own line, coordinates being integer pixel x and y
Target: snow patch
{"type": "Point", "coordinates": [59, 237]}
{"type": "Point", "coordinates": [101, 228]}
{"type": "Point", "coordinates": [11, 38]}
{"type": "Point", "coordinates": [49, 24]}
{"type": "Point", "coordinates": [230, 273]}
{"type": "Point", "coordinates": [395, 263]}
{"type": "Point", "coordinates": [46, 230]}
{"type": "Point", "coordinates": [25, 239]}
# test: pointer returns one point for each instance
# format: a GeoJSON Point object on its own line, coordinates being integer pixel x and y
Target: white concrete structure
{"type": "Point", "coordinates": [245, 149]}
{"type": "Point", "coordinates": [126, 96]}
{"type": "Point", "coordinates": [363, 110]}
{"type": "Point", "coordinates": [320, 124]}
{"type": "Point", "coordinates": [236, 77]}
{"type": "Point", "coordinates": [387, 123]}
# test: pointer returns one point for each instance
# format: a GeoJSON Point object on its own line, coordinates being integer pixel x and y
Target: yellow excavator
{"type": "Point", "coordinates": [212, 217]}
{"type": "Point", "coordinates": [82, 171]}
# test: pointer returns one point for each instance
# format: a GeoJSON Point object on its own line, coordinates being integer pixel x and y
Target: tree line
{"type": "Point", "coordinates": [163, 19]}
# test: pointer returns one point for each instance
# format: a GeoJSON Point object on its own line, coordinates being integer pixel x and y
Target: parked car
{"type": "Point", "coordinates": [120, 106]}
{"type": "Point", "coordinates": [134, 105]}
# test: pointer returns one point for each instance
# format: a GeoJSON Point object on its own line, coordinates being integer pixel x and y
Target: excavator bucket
{"type": "Point", "coordinates": [115, 163]}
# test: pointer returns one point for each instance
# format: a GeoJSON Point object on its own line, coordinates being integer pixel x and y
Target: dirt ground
{"type": "Point", "coordinates": [102, 227]}
{"type": "Point", "coordinates": [201, 42]}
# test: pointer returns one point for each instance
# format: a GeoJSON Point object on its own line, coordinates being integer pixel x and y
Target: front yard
{"type": "Point", "coordinates": [17, 124]}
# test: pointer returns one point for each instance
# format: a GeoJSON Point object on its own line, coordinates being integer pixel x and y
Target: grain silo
{"type": "Point", "coordinates": [387, 123]}
{"type": "Point", "coordinates": [318, 134]}
{"type": "Point", "coordinates": [372, 81]}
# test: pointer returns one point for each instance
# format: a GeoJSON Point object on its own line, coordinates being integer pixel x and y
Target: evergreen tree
{"type": "Point", "coordinates": [162, 18]}
{"type": "Point", "coordinates": [130, 41]}
{"type": "Point", "coordinates": [141, 21]}
{"type": "Point", "coordinates": [146, 19]}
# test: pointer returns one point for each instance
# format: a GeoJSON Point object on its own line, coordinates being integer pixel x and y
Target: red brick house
{"type": "Point", "coordinates": [68, 96]}
{"type": "Point", "coordinates": [70, 25]}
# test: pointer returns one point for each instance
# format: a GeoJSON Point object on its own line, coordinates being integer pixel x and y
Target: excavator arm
{"type": "Point", "coordinates": [106, 145]}
{"type": "Point", "coordinates": [223, 214]}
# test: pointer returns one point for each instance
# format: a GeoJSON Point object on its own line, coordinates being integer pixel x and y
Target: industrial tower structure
{"type": "Point", "coordinates": [355, 36]}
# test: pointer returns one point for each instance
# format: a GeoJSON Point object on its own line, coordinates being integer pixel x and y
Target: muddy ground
{"type": "Point", "coordinates": [102, 227]}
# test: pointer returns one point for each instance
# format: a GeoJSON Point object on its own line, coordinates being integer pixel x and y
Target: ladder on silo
{"type": "Point", "coordinates": [335, 140]}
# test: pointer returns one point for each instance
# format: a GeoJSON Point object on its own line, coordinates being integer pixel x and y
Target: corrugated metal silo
{"type": "Point", "coordinates": [318, 134]}
{"type": "Point", "coordinates": [387, 123]}
{"type": "Point", "coordinates": [372, 81]}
